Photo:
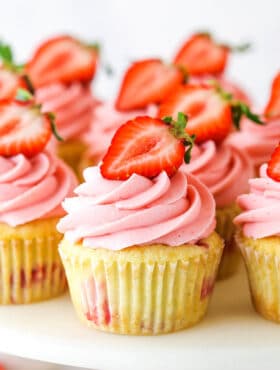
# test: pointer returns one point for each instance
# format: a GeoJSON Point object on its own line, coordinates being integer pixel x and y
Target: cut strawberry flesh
{"type": "Point", "coordinates": [9, 82]}
{"type": "Point", "coordinates": [200, 55]}
{"type": "Point", "coordinates": [148, 81]}
{"type": "Point", "coordinates": [272, 109]}
{"type": "Point", "coordinates": [62, 59]}
{"type": "Point", "coordinates": [143, 146]}
{"type": "Point", "coordinates": [22, 130]}
{"type": "Point", "coordinates": [273, 169]}
{"type": "Point", "coordinates": [209, 117]}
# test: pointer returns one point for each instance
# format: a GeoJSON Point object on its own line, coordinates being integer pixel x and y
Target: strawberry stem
{"type": "Point", "coordinates": [24, 95]}
{"type": "Point", "coordinates": [6, 56]}
{"type": "Point", "coordinates": [178, 129]}
{"type": "Point", "coordinates": [238, 108]}
{"type": "Point", "coordinates": [51, 117]}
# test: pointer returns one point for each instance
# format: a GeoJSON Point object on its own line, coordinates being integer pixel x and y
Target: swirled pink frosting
{"type": "Point", "coordinates": [118, 214]}
{"type": "Point", "coordinates": [73, 105]}
{"type": "Point", "coordinates": [256, 140]}
{"type": "Point", "coordinates": [33, 188]}
{"type": "Point", "coordinates": [261, 207]}
{"type": "Point", "coordinates": [225, 170]}
{"type": "Point", "coordinates": [106, 121]}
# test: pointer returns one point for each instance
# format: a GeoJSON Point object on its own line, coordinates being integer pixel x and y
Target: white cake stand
{"type": "Point", "coordinates": [232, 336]}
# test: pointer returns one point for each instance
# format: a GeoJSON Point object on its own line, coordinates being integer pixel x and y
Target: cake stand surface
{"type": "Point", "coordinates": [232, 336]}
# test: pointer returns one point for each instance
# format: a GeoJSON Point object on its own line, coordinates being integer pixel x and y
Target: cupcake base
{"type": "Point", "coordinates": [30, 266]}
{"type": "Point", "coordinates": [262, 260]}
{"type": "Point", "coordinates": [143, 290]}
{"type": "Point", "coordinates": [71, 152]}
{"type": "Point", "coordinates": [231, 257]}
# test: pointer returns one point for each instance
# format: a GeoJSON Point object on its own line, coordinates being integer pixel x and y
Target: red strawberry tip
{"type": "Point", "coordinates": [273, 166]}
{"type": "Point", "coordinates": [178, 130]}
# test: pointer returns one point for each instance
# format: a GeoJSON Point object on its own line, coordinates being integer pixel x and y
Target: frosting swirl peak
{"type": "Point", "coordinates": [118, 214]}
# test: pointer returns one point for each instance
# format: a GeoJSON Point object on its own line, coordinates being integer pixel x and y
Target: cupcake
{"type": "Point", "coordinates": [145, 261]}
{"type": "Point", "coordinates": [259, 238]}
{"type": "Point", "coordinates": [224, 169]}
{"type": "Point", "coordinates": [33, 182]}
{"type": "Point", "coordinates": [145, 84]}
{"type": "Point", "coordinates": [258, 141]}
{"type": "Point", "coordinates": [61, 70]}
{"type": "Point", "coordinates": [205, 59]}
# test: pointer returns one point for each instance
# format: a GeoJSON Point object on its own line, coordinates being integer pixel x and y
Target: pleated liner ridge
{"type": "Point", "coordinates": [262, 260]}
{"type": "Point", "coordinates": [142, 290]}
{"type": "Point", "coordinates": [30, 267]}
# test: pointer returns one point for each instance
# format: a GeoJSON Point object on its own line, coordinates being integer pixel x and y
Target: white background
{"type": "Point", "coordinates": [131, 29]}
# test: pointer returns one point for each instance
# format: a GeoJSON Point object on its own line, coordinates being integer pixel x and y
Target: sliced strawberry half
{"type": "Point", "coordinates": [273, 106]}
{"type": "Point", "coordinates": [209, 115]}
{"type": "Point", "coordinates": [23, 129]}
{"type": "Point", "coordinates": [10, 82]}
{"type": "Point", "coordinates": [202, 55]}
{"type": "Point", "coordinates": [273, 168]}
{"type": "Point", "coordinates": [62, 59]}
{"type": "Point", "coordinates": [147, 146]}
{"type": "Point", "coordinates": [148, 81]}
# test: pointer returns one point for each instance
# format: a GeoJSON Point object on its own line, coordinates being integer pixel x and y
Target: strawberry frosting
{"type": "Point", "coordinates": [224, 169]}
{"type": "Point", "coordinates": [261, 207]}
{"type": "Point", "coordinates": [33, 188]}
{"type": "Point", "coordinates": [73, 105]}
{"type": "Point", "coordinates": [118, 214]}
{"type": "Point", "coordinates": [106, 121]}
{"type": "Point", "coordinates": [258, 141]}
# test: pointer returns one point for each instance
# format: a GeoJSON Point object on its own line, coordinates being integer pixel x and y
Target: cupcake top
{"type": "Point", "coordinates": [257, 141]}
{"type": "Point", "coordinates": [61, 70]}
{"type": "Point", "coordinates": [225, 170]}
{"type": "Point", "coordinates": [33, 182]}
{"type": "Point", "coordinates": [261, 207]}
{"type": "Point", "coordinates": [73, 105]}
{"type": "Point", "coordinates": [137, 196]}
{"type": "Point", "coordinates": [106, 120]}
{"type": "Point", "coordinates": [33, 188]}
{"type": "Point", "coordinates": [118, 214]}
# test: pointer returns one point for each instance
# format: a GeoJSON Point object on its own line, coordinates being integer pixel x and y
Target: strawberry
{"type": "Point", "coordinates": [211, 111]}
{"type": "Point", "coordinates": [202, 55]}
{"type": "Point", "coordinates": [63, 59]}
{"type": "Point", "coordinates": [209, 115]}
{"type": "Point", "coordinates": [273, 168]}
{"type": "Point", "coordinates": [24, 129]}
{"type": "Point", "coordinates": [273, 106]}
{"type": "Point", "coordinates": [147, 81]}
{"type": "Point", "coordinates": [11, 76]}
{"type": "Point", "coordinates": [147, 146]}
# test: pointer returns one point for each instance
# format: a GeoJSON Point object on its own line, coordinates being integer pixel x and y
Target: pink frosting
{"type": "Point", "coordinates": [223, 169]}
{"type": "Point", "coordinates": [73, 105]}
{"type": "Point", "coordinates": [106, 121]}
{"type": "Point", "coordinates": [33, 188]}
{"type": "Point", "coordinates": [261, 207]}
{"type": "Point", "coordinates": [256, 140]}
{"type": "Point", "coordinates": [118, 214]}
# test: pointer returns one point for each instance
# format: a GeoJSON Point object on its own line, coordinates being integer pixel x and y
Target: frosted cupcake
{"type": "Point", "coordinates": [259, 238]}
{"type": "Point", "coordinates": [222, 168]}
{"type": "Point", "coordinates": [258, 141]}
{"type": "Point", "coordinates": [62, 69]}
{"type": "Point", "coordinates": [145, 262]}
{"type": "Point", "coordinates": [32, 185]}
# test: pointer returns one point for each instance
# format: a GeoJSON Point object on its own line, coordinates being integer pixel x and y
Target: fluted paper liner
{"type": "Point", "coordinates": [262, 260]}
{"type": "Point", "coordinates": [142, 290]}
{"type": "Point", "coordinates": [231, 257]}
{"type": "Point", "coordinates": [30, 266]}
